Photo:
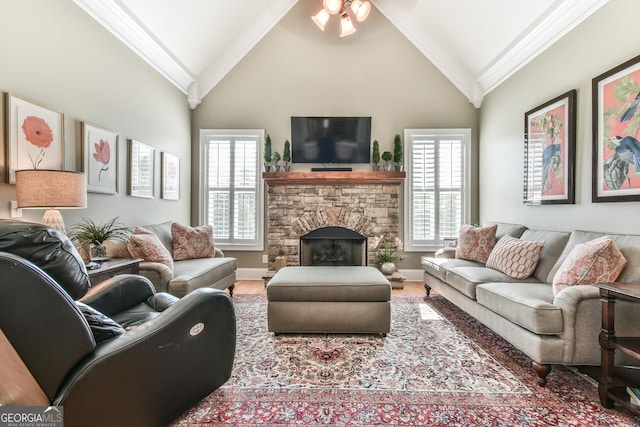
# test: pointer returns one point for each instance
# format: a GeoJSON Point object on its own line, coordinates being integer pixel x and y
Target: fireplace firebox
{"type": "Point", "coordinates": [333, 246]}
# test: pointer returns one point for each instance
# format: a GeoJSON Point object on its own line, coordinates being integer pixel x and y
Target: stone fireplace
{"type": "Point", "coordinates": [299, 203]}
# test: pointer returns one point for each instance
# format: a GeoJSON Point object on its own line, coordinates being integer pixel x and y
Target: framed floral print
{"type": "Point", "coordinates": [550, 141]}
{"type": "Point", "coordinates": [170, 185]}
{"type": "Point", "coordinates": [34, 137]}
{"type": "Point", "coordinates": [100, 147]}
{"type": "Point", "coordinates": [141, 169]}
{"type": "Point", "coordinates": [616, 127]}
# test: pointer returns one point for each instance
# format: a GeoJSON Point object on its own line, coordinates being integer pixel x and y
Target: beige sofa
{"type": "Point", "coordinates": [187, 275]}
{"type": "Point", "coordinates": [561, 329]}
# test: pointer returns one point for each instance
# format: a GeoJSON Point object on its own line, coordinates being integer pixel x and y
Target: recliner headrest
{"type": "Point", "coordinates": [50, 250]}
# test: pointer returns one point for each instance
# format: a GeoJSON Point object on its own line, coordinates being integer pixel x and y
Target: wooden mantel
{"type": "Point", "coordinates": [333, 178]}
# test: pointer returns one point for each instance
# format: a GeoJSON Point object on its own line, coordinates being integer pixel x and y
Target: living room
{"type": "Point", "coordinates": [58, 56]}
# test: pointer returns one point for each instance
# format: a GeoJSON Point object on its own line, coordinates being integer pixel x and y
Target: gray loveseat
{"type": "Point", "coordinates": [187, 275]}
{"type": "Point", "coordinates": [561, 329]}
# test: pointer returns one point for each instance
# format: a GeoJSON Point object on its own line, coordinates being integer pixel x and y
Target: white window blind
{"type": "Point", "coordinates": [437, 187]}
{"type": "Point", "coordinates": [232, 192]}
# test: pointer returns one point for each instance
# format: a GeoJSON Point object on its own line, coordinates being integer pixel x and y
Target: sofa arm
{"type": "Point", "coordinates": [158, 274]}
{"type": "Point", "coordinates": [445, 253]}
{"type": "Point", "coordinates": [179, 357]}
{"type": "Point", "coordinates": [219, 253]}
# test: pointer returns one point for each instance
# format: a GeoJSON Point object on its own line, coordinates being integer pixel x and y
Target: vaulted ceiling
{"type": "Point", "coordinates": [475, 44]}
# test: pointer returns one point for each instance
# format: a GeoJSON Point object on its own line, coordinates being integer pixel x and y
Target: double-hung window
{"type": "Point", "coordinates": [231, 196]}
{"type": "Point", "coordinates": [437, 196]}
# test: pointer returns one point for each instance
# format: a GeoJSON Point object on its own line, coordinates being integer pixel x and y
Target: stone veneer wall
{"type": "Point", "coordinates": [294, 210]}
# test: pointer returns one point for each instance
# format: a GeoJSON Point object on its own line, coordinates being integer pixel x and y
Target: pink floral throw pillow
{"type": "Point", "coordinates": [514, 257]}
{"type": "Point", "coordinates": [476, 243]}
{"type": "Point", "coordinates": [148, 247]}
{"type": "Point", "coordinates": [596, 261]}
{"type": "Point", "coordinates": [192, 242]}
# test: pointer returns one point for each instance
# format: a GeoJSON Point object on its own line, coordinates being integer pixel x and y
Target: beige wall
{"type": "Point", "coordinates": [56, 55]}
{"type": "Point", "coordinates": [299, 70]}
{"type": "Point", "coordinates": [600, 43]}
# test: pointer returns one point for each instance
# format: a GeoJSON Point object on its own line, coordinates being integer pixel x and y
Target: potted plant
{"type": "Point", "coordinates": [388, 253]}
{"type": "Point", "coordinates": [397, 153]}
{"type": "Point", "coordinates": [375, 155]}
{"type": "Point", "coordinates": [267, 153]}
{"type": "Point", "coordinates": [276, 158]}
{"type": "Point", "coordinates": [286, 155]}
{"type": "Point", "coordinates": [87, 232]}
{"type": "Point", "coordinates": [387, 156]}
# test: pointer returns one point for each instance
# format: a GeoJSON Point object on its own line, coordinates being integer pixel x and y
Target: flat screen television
{"type": "Point", "coordinates": [331, 140]}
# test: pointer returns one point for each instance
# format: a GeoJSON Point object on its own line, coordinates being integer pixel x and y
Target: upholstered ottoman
{"type": "Point", "coordinates": [329, 300]}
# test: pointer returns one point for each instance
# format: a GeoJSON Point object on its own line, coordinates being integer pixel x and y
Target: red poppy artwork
{"type": "Point", "coordinates": [141, 169]}
{"type": "Point", "coordinates": [36, 137]}
{"type": "Point", "coordinates": [101, 166]}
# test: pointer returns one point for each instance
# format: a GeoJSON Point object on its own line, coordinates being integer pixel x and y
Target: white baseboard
{"type": "Point", "coordinates": [414, 275]}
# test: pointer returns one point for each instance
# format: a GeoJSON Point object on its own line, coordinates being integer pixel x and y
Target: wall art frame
{"type": "Point", "coordinates": [100, 158]}
{"type": "Point", "coordinates": [615, 173]}
{"type": "Point", "coordinates": [550, 141]}
{"type": "Point", "coordinates": [141, 171]}
{"type": "Point", "coordinates": [34, 136]}
{"type": "Point", "coordinates": [170, 177]}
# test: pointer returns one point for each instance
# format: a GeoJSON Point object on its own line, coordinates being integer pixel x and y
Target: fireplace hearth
{"type": "Point", "coordinates": [333, 246]}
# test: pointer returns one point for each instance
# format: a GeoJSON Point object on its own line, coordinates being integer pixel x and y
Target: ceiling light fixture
{"type": "Point", "coordinates": [359, 8]}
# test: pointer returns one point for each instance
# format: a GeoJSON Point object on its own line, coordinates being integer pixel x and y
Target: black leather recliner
{"type": "Point", "coordinates": [158, 358]}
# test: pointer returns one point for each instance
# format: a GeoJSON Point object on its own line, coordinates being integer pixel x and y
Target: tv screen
{"type": "Point", "coordinates": [330, 139]}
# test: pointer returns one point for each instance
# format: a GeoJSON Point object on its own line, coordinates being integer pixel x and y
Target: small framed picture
{"type": "Point", "coordinates": [100, 148]}
{"type": "Point", "coordinates": [35, 137]}
{"type": "Point", "coordinates": [170, 184]}
{"type": "Point", "coordinates": [141, 169]}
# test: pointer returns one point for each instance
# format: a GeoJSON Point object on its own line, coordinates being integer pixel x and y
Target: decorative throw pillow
{"type": "Point", "coordinates": [514, 257]}
{"type": "Point", "coordinates": [476, 243]}
{"type": "Point", "coordinates": [102, 327]}
{"type": "Point", "coordinates": [149, 248]}
{"type": "Point", "coordinates": [192, 242]}
{"type": "Point", "coordinates": [596, 261]}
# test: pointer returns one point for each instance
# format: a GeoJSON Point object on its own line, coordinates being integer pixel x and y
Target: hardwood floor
{"type": "Point", "coordinates": [256, 287]}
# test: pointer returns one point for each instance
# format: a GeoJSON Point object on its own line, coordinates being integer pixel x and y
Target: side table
{"type": "Point", "coordinates": [615, 379]}
{"type": "Point", "coordinates": [114, 267]}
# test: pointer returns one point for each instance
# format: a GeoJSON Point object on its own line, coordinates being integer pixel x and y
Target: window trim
{"type": "Point", "coordinates": [409, 134]}
{"type": "Point", "coordinates": [259, 134]}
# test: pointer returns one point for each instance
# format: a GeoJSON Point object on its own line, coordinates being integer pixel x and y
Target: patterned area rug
{"type": "Point", "coordinates": [437, 367]}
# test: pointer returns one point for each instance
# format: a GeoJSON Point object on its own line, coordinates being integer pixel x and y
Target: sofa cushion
{"type": "Point", "coordinates": [507, 229]}
{"type": "Point", "coordinates": [163, 233]}
{"type": "Point", "coordinates": [514, 257]}
{"type": "Point", "coordinates": [476, 243]}
{"type": "Point", "coordinates": [598, 260]}
{"type": "Point", "coordinates": [439, 267]}
{"type": "Point", "coordinates": [192, 242]}
{"type": "Point", "coordinates": [554, 244]}
{"type": "Point", "coordinates": [190, 274]}
{"type": "Point", "coordinates": [529, 305]}
{"type": "Point", "coordinates": [149, 248]}
{"type": "Point", "coordinates": [465, 279]}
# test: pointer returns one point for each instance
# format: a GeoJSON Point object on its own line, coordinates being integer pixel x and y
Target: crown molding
{"type": "Point", "coordinates": [560, 19]}
{"type": "Point", "coordinates": [116, 19]}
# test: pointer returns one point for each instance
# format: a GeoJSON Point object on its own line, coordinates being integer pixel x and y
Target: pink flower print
{"type": "Point", "coordinates": [102, 155]}
{"type": "Point", "coordinates": [37, 131]}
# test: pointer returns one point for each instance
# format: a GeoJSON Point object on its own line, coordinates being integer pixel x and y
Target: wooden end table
{"type": "Point", "coordinates": [114, 267]}
{"type": "Point", "coordinates": [615, 379]}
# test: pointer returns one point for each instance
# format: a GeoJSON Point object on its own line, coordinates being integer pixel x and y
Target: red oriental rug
{"type": "Point", "coordinates": [437, 367]}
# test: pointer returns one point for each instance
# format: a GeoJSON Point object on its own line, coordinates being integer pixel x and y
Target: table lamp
{"type": "Point", "coordinates": [51, 190]}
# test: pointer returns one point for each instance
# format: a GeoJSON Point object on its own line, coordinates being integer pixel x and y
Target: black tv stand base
{"type": "Point", "coordinates": [330, 169]}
